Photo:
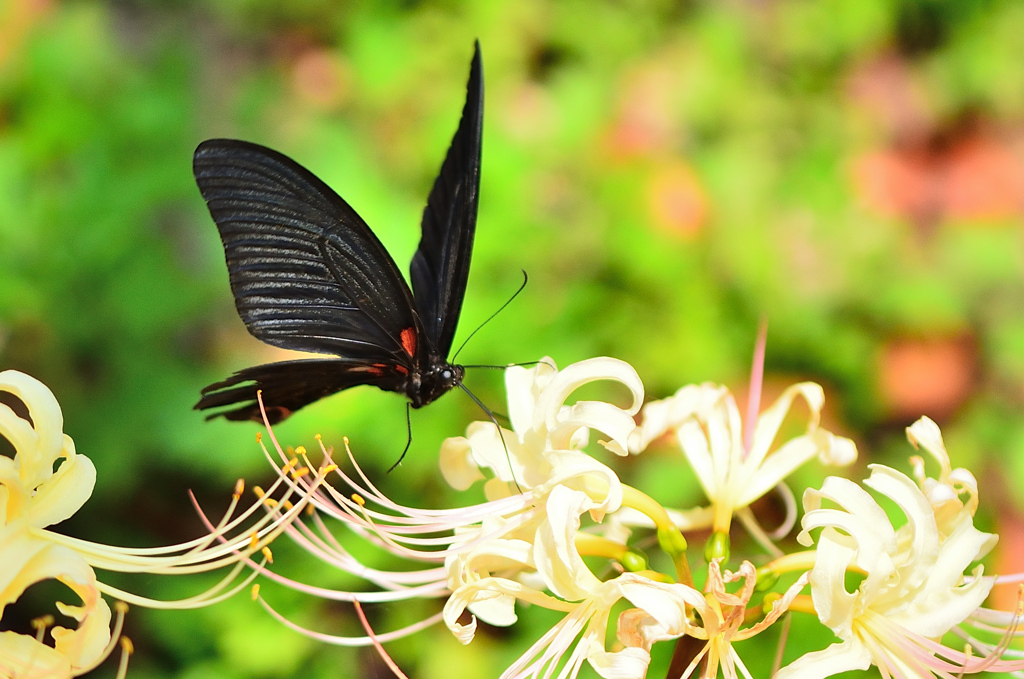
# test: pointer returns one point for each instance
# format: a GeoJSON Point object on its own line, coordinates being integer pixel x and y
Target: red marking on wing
{"type": "Point", "coordinates": [409, 341]}
{"type": "Point", "coordinates": [376, 369]}
{"type": "Point", "coordinates": [402, 369]}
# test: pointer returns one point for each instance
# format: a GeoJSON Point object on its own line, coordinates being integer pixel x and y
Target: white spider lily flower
{"type": "Point", "coordinates": [914, 589]}
{"type": "Point", "coordinates": [482, 581]}
{"type": "Point", "coordinates": [709, 430]}
{"type": "Point", "coordinates": [46, 482]}
{"type": "Point", "coordinates": [29, 559]}
{"type": "Point", "coordinates": [544, 447]}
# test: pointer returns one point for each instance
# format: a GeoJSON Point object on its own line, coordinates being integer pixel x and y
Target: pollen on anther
{"type": "Point", "coordinates": [358, 499]}
{"type": "Point", "coordinates": [259, 437]}
{"type": "Point", "coordinates": [239, 488]}
{"type": "Point", "coordinates": [300, 472]}
{"type": "Point", "coordinates": [254, 540]}
{"type": "Point", "coordinates": [256, 591]}
{"type": "Point", "coordinates": [120, 607]}
{"type": "Point", "coordinates": [268, 555]}
{"type": "Point", "coordinates": [316, 436]}
{"type": "Point", "coordinates": [300, 450]}
{"type": "Point", "coordinates": [127, 646]}
{"type": "Point", "coordinates": [42, 622]}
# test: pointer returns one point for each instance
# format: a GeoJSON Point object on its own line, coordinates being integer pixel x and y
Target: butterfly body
{"type": "Point", "coordinates": [308, 274]}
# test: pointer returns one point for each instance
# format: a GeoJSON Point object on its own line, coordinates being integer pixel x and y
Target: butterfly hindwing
{"type": "Point", "coordinates": [440, 267]}
{"type": "Point", "coordinates": [288, 385]}
{"type": "Point", "coordinates": [306, 271]}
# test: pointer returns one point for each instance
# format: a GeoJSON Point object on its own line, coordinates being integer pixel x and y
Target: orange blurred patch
{"type": "Point", "coordinates": [893, 184]}
{"type": "Point", "coordinates": [927, 376]}
{"type": "Point", "coordinates": [676, 200]}
{"type": "Point", "coordinates": [320, 78]}
{"type": "Point", "coordinates": [983, 180]}
{"type": "Point", "coordinates": [974, 177]}
{"type": "Point", "coordinates": [1009, 557]}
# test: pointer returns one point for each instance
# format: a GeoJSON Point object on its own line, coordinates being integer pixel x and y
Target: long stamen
{"type": "Point", "coordinates": [376, 644]}
{"type": "Point", "coordinates": [756, 383]}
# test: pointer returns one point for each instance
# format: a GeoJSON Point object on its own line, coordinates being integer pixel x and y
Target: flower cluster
{"type": "Point", "coordinates": [46, 482]}
{"type": "Point", "coordinates": [557, 528]}
{"type": "Point", "coordinates": [554, 508]}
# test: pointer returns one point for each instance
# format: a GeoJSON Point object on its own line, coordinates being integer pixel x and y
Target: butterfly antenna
{"type": "Point", "coordinates": [526, 364]}
{"type": "Point", "coordinates": [408, 441]}
{"type": "Point", "coordinates": [501, 436]}
{"type": "Point", "coordinates": [491, 317]}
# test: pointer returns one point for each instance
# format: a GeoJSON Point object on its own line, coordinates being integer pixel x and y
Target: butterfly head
{"type": "Point", "coordinates": [428, 386]}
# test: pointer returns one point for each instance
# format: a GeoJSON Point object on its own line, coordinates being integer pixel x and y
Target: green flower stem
{"type": "Point", "coordinates": [670, 538]}
{"type": "Point", "coordinates": [588, 544]}
{"type": "Point", "coordinates": [796, 561]}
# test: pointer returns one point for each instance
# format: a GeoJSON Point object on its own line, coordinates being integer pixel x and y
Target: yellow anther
{"type": "Point", "coordinates": [127, 646]}
{"type": "Point", "coordinates": [310, 509]}
{"type": "Point", "coordinates": [317, 437]}
{"type": "Point", "coordinates": [358, 499]}
{"type": "Point", "coordinates": [121, 607]}
{"type": "Point", "coordinates": [268, 555]}
{"type": "Point", "coordinates": [300, 472]}
{"type": "Point", "coordinates": [270, 502]}
{"type": "Point", "coordinates": [42, 622]}
{"type": "Point", "coordinates": [256, 591]}
{"type": "Point", "coordinates": [254, 540]}
{"type": "Point", "coordinates": [259, 437]}
{"type": "Point", "coordinates": [287, 505]}
{"type": "Point", "coordinates": [258, 491]}
{"type": "Point", "coordinates": [239, 488]}
{"type": "Point", "coordinates": [345, 440]}
{"type": "Point", "coordinates": [300, 450]}
{"type": "Point", "coordinates": [328, 469]}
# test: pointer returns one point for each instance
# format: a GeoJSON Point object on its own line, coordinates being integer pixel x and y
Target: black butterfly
{"type": "Point", "coordinates": [308, 274]}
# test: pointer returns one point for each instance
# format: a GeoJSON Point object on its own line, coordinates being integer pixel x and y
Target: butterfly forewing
{"type": "Point", "coordinates": [306, 271]}
{"type": "Point", "coordinates": [440, 267]}
{"type": "Point", "coordinates": [308, 274]}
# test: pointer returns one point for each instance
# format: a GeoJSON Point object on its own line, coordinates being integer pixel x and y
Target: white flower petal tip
{"type": "Point", "coordinates": [545, 445]}
{"type": "Point", "coordinates": [837, 451]}
{"type": "Point", "coordinates": [456, 463]}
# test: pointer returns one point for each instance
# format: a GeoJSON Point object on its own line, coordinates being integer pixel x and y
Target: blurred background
{"type": "Point", "coordinates": [668, 173]}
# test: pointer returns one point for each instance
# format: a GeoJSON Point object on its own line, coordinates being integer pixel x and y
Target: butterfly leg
{"type": "Point", "coordinates": [408, 441]}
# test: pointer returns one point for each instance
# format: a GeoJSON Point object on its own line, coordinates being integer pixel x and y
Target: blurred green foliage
{"type": "Point", "coordinates": [668, 173]}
